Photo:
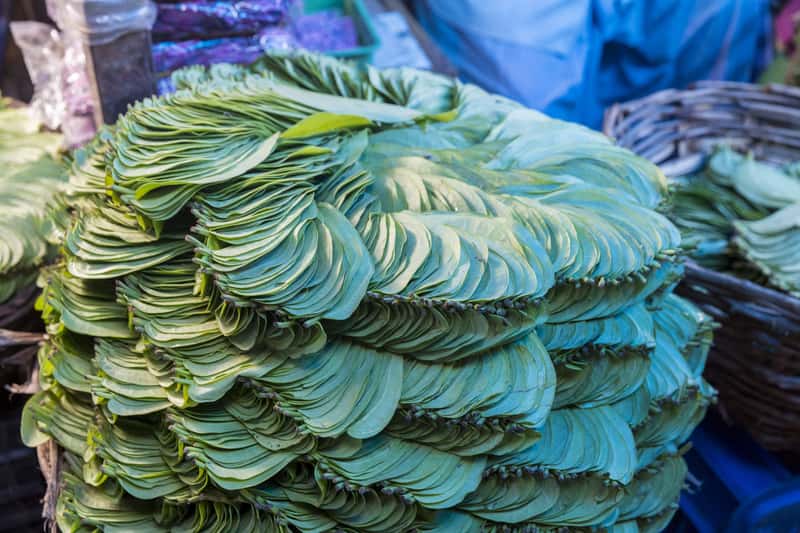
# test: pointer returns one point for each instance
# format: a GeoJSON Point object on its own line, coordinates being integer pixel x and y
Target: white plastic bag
{"type": "Point", "coordinates": [56, 63]}
{"type": "Point", "coordinates": [42, 51]}
{"type": "Point", "coordinates": [103, 21]}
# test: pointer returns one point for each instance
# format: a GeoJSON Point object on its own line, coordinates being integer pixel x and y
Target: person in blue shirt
{"type": "Point", "coordinates": [573, 58]}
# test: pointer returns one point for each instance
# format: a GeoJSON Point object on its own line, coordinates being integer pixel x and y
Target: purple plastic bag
{"type": "Point", "coordinates": [168, 56]}
{"type": "Point", "coordinates": [210, 19]}
{"type": "Point", "coordinates": [324, 31]}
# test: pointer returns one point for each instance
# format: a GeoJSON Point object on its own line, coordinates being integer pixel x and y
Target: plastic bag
{"type": "Point", "coordinates": [78, 125]}
{"type": "Point", "coordinates": [323, 31]}
{"type": "Point", "coordinates": [42, 51]}
{"type": "Point", "coordinates": [62, 96]}
{"type": "Point", "coordinates": [209, 19]}
{"type": "Point", "coordinates": [168, 56]}
{"type": "Point", "coordinates": [103, 21]}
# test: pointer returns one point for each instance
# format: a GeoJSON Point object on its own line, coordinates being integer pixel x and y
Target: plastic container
{"type": "Point", "coordinates": [367, 36]}
{"type": "Point", "coordinates": [775, 511]}
{"type": "Point", "coordinates": [735, 477]}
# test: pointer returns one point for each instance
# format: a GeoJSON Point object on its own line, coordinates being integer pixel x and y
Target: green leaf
{"type": "Point", "coordinates": [320, 123]}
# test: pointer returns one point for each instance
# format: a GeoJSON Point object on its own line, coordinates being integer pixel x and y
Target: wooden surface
{"type": "Point", "coordinates": [439, 61]}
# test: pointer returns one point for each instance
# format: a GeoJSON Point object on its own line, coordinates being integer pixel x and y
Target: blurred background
{"type": "Point", "coordinates": [570, 59]}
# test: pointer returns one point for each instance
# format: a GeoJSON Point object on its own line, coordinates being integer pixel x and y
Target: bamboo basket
{"type": "Point", "coordinates": [755, 359]}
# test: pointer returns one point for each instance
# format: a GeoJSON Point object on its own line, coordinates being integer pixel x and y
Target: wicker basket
{"type": "Point", "coordinates": [755, 360]}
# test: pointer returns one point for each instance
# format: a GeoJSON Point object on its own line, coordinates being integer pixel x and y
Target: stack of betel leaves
{"type": "Point", "coordinates": [31, 175]}
{"type": "Point", "coordinates": [742, 216]}
{"type": "Point", "coordinates": [303, 296]}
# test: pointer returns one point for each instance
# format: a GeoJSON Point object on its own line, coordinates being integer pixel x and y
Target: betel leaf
{"type": "Point", "coordinates": [320, 123]}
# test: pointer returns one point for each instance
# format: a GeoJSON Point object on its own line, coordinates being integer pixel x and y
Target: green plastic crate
{"type": "Point", "coordinates": [367, 36]}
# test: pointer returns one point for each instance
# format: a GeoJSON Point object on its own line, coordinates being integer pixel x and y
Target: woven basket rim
{"type": "Point", "coordinates": [616, 115]}
{"type": "Point", "coordinates": [754, 291]}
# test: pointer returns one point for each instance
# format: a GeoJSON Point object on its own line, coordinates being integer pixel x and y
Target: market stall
{"type": "Point", "coordinates": [290, 274]}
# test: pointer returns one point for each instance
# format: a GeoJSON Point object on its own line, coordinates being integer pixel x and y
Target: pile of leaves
{"type": "Point", "coordinates": [304, 296]}
{"type": "Point", "coordinates": [30, 176]}
{"type": "Point", "coordinates": [742, 216]}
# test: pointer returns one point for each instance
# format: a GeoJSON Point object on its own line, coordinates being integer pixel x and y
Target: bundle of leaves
{"type": "Point", "coordinates": [30, 177]}
{"type": "Point", "coordinates": [741, 216]}
{"type": "Point", "coordinates": [303, 296]}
